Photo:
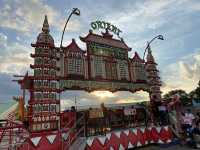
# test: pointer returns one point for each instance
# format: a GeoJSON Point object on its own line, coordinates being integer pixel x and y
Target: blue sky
{"type": "Point", "coordinates": [178, 55]}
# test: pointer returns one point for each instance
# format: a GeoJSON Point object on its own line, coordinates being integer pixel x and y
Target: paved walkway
{"type": "Point", "coordinates": [176, 147]}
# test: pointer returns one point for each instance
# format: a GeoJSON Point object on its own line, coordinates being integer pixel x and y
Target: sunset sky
{"type": "Point", "coordinates": [178, 56]}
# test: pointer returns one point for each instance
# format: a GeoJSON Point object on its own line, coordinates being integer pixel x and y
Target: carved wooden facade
{"type": "Point", "coordinates": [104, 65]}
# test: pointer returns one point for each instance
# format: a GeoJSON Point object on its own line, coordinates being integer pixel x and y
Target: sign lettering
{"type": "Point", "coordinates": [105, 25]}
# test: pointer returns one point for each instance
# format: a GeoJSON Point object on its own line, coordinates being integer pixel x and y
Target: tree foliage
{"type": "Point", "coordinates": [185, 98]}
{"type": "Point", "coordinates": [195, 94]}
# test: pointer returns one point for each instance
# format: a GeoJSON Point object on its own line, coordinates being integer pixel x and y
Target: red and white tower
{"type": "Point", "coordinates": [153, 78]}
{"type": "Point", "coordinates": [44, 103]}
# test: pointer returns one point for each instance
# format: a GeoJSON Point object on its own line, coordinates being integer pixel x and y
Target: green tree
{"type": "Point", "coordinates": [195, 94]}
{"type": "Point", "coordinates": [184, 97]}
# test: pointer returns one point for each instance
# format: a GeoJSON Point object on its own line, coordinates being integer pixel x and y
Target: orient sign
{"type": "Point", "coordinates": [105, 25]}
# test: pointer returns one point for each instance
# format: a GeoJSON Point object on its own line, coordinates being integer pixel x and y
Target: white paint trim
{"type": "Point", "coordinates": [121, 147]}
{"type": "Point", "coordinates": [102, 139]}
{"type": "Point", "coordinates": [118, 133]}
{"type": "Point", "coordinates": [126, 132]}
{"type": "Point", "coordinates": [130, 145]}
{"type": "Point", "coordinates": [90, 141]}
{"type": "Point", "coordinates": [51, 138]}
{"type": "Point", "coordinates": [36, 140]}
{"type": "Point", "coordinates": [108, 136]}
{"type": "Point", "coordinates": [139, 144]}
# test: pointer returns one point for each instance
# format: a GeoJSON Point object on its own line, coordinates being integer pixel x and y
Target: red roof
{"type": "Point", "coordinates": [137, 58]}
{"type": "Point", "coordinates": [106, 39]}
{"type": "Point", "coordinates": [73, 47]}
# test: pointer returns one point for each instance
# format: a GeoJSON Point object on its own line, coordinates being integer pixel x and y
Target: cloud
{"type": "Point", "coordinates": [103, 94]}
{"type": "Point", "coordinates": [139, 20]}
{"type": "Point", "coordinates": [8, 88]}
{"type": "Point", "coordinates": [65, 104]}
{"type": "Point", "coordinates": [184, 74]}
{"type": "Point", "coordinates": [3, 39]}
{"type": "Point", "coordinates": [27, 16]}
{"type": "Point", "coordinates": [22, 15]}
{"type": "Point", "coordinates": [151, 14]}
{"type": "Point", "coordinates": [14, 58]}
{"type": "Point", "coordinates": [95, 99]}
{"type": "Point", "coordinates": [137, 97]}
{"type": "Point", "coordinates": [143, 16]}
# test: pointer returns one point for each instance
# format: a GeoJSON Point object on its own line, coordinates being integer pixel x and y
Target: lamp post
{"type": "Point", "coordinates": [75, 11]}
{"type": "Point", "coordinates": [160, 37]}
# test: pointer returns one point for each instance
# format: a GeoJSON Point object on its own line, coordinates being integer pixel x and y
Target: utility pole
{"type": "Point", "coordinates": [75, 102]}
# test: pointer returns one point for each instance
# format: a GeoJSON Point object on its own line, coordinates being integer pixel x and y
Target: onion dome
{"type": "Point", "coordinates": [44, 37]}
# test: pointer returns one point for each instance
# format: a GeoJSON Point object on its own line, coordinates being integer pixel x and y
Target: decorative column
{"type": "Point", "coordinates": [154, 82]}
{"type": "Point", "coordinates": [153, 78]}
{"type": "Point", "coordinates": [44, 103]}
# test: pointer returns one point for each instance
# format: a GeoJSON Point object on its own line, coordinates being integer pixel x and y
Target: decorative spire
{"type": "Point", "coordinates": [45, 27]}
{"type": "Point", "coordinates": [150, 57]}
{"type": "Point", "coordinates": [149, 49]}
{"type": "Point", "coordinates": [153, 78]}
{"type": "Point", "coordinates": [137, 58]}
{"type": "Point", "coordinates": [44, 37]}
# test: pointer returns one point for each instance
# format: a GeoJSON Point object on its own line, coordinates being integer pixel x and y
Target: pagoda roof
{"type": "Point", "coordinates": [73, 47]}
{"type": "Point", "coordinates": [137, 58]}
{"type": "Point", "coordinates": [44, 37]}
{"type": "Point", "coordinates": [105, 38]}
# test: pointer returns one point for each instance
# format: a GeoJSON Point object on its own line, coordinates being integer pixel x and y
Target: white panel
{"type": "Point", "coordinates": [118, 133]}
{"type": "Point", "coordinates": [108, 136]}
{"type": "Point", "coordinates": [121, 147]}
{"type": "Point", "coordinates": [102, 139]}
{"type": "Point", "coordinates": [130, 145]}
{"type": "Point", "coordinates": [90, 141]}
{"type": "Point", "coordinates": [111, 148]}
{"type": "Point", "coordinates": [126, 132]}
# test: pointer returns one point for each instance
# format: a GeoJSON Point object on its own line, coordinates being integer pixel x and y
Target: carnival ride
{"type": "Point", "coordinates": [104, 65]}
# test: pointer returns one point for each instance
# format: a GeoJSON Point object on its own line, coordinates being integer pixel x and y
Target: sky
{"type": "Point", "coordinates": [178, 56]}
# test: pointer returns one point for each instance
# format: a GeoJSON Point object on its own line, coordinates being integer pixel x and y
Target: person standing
{"type": "Point", "coordinates": [188, 118]}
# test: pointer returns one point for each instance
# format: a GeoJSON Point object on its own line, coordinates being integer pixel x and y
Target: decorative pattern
{"type": "Point", "coordinates": [65, 136]}
{"type": "Point", "coordinates": [130, 138]}
{"type": "Point", "coordinates": [36, 140]}
{"type": "Point", "coordinates": [44, 98]}
{"type": "Point", "coordinates": [89, 85]}
{"type": "Point", "coordinates": [51, 138]}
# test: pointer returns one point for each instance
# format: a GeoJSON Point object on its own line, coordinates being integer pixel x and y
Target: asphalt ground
{"type": "Point", "coordinates": [174, 147]}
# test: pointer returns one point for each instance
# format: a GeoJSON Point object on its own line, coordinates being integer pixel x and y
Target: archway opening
{"type": "Point", "coordinates": [105, 111]}
{"type": "Point", "coordinates": [82, 99]}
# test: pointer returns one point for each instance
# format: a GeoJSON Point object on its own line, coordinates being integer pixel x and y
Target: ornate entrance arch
{"type": "Point", "coordinates": [104, 65]}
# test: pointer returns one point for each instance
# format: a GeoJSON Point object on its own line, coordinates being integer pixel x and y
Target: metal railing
{"type": "Point", "coordinates": [12, 135]}
{"type": "Point", "coordinates": [74, 132]}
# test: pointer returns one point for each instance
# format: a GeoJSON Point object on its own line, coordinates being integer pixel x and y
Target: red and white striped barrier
{"type": "Point", "coordinates": [120, 140]}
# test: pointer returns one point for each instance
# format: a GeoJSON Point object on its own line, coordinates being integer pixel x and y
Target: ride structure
{"type": "Point", "coordinates": [104, 65]}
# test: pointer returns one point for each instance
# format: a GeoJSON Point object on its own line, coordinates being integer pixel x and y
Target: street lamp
{"type": "Point", "coordinates": [160, 37]}
{"type": "Point", "coordinates": [75, 11]}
